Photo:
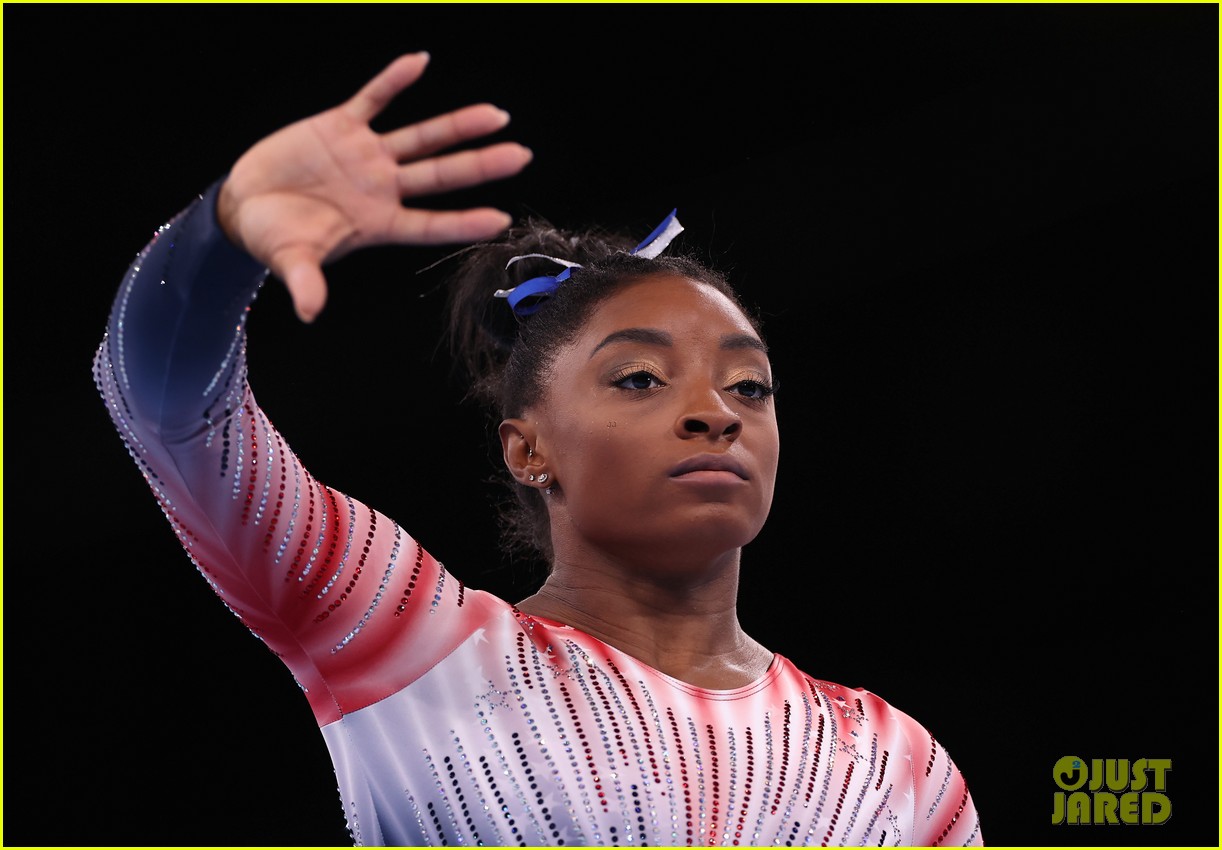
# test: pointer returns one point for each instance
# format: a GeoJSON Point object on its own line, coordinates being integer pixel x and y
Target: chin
{"type": "Point", "coordinates": [696, 541]}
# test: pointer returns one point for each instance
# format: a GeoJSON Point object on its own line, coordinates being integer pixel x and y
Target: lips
{"type": "Point", "coordinates": [710, 463]}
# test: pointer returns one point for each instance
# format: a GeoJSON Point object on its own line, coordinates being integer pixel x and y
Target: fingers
{"type": "Point", "coordinates": [304, 280]}
{"type": "Point", "coordinates": [463, 169]}
{"type": "Point", "coordinates": [382, 89]}
{"type": "Point", "coordinates": [427, 227]}
{"type": "Point", "coordinates": [444, 131]}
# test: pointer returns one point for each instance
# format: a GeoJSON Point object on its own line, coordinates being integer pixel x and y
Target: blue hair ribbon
{"type": "Point", "coordinates": [655, 243]}
{"type": "Point", "coordinates": [528, 296]}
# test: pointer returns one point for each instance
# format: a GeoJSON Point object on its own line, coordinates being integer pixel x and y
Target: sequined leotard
{"type": "Point", "coordinates": [451, 717]}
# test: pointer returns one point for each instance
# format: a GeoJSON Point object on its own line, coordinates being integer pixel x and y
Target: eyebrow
{"type": "Point", "coordinates": [653, 336]}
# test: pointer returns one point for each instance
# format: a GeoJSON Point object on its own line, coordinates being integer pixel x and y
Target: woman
{"type": "Point", "coordinates": [622, 703]}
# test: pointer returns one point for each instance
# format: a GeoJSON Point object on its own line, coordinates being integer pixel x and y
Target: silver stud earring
{"type": "Point", "coordinates": [530, 452]}
{"type": "Point", "coordinates": [532, 476]}
{"type": "Point", "coordinates": [548, 491]}
{"type": "Point", "coordinates": [542, 477]}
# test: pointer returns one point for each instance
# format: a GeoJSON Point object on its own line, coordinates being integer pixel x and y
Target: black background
{"type": "Point", "coordinates": [983, 240]}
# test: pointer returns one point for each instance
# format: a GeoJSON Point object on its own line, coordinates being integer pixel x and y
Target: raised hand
{"type": "Point", "coordinates": [324, 186]}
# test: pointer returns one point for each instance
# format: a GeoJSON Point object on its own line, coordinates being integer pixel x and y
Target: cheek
{"type": "Point", "coordinates": [599, 461]}
{"type": "Point", "coordinates": [775, 449]}
{"type": "Point", "coordinates": [591, 449]}
{"type": "Point", "coordinates": [770, 439]}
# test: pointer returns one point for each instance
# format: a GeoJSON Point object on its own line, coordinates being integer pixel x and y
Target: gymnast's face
{"type": "Point", "coordinates": [658, 427]}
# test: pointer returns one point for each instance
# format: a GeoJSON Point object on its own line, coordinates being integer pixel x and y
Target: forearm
{"type": "Point", "coordinates": [327, 582]}
{"type": "Point", "coordinates": [171, 369]}
{"type": "Point", "coordinates": [175, 336]}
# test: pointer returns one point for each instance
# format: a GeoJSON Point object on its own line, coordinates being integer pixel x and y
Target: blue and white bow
{"type": "Point", "coordinates": [529, 295]}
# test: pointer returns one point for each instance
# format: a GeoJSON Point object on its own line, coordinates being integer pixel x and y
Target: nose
{"type": "Point", "coordinates": [708, 415]}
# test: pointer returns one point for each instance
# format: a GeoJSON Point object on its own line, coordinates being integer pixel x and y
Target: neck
{"type": "Point", "coordinates": [685, 626]}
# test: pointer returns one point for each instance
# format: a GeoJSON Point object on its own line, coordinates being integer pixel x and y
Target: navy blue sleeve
{"type": "Point", "coordinates": [176, 328]}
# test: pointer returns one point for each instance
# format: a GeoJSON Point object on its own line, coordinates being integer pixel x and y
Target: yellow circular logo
{"type": "Point", "coordinates": [1069, 773]}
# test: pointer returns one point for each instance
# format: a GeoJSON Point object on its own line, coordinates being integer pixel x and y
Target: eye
{"type": "Point", "coordinates": [638, 379]}
{"type": "Point", "coordinates": [753, 390]}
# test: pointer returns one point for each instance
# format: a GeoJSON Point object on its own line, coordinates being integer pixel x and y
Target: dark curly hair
{"type": "Point", "coordinates": [506, 357]}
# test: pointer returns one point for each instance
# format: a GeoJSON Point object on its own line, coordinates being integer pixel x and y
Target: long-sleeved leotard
{"type": "Point", "coordinates": [451, 717]}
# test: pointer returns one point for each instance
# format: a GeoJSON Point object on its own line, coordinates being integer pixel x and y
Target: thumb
{"type": "Point", "coordinates": [307, 287]}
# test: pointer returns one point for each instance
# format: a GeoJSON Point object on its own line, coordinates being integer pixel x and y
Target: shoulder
{"type": "Point", "coordinates": [943, 811]}
{"type": "Point", "coordinates": [864, 709]}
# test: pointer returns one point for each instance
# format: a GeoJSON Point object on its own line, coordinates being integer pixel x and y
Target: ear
{"type": "Point", "coordinates": [518, 449]}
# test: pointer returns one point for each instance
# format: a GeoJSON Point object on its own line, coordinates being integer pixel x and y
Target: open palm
{"type": "Point", "coordinates": [324, 186]}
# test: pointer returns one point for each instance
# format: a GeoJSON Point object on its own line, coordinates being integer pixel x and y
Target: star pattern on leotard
{"type": "Point", "coordinates": [849, 748]}
{"type": "Point", "coordinates": [893, 820]}
{"type": "Point", "coordinates": [561, 672]}
{"type": "Point", "coordinates": [493, 698]}
{"type": "Point", "coordinates": [851, 712]}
